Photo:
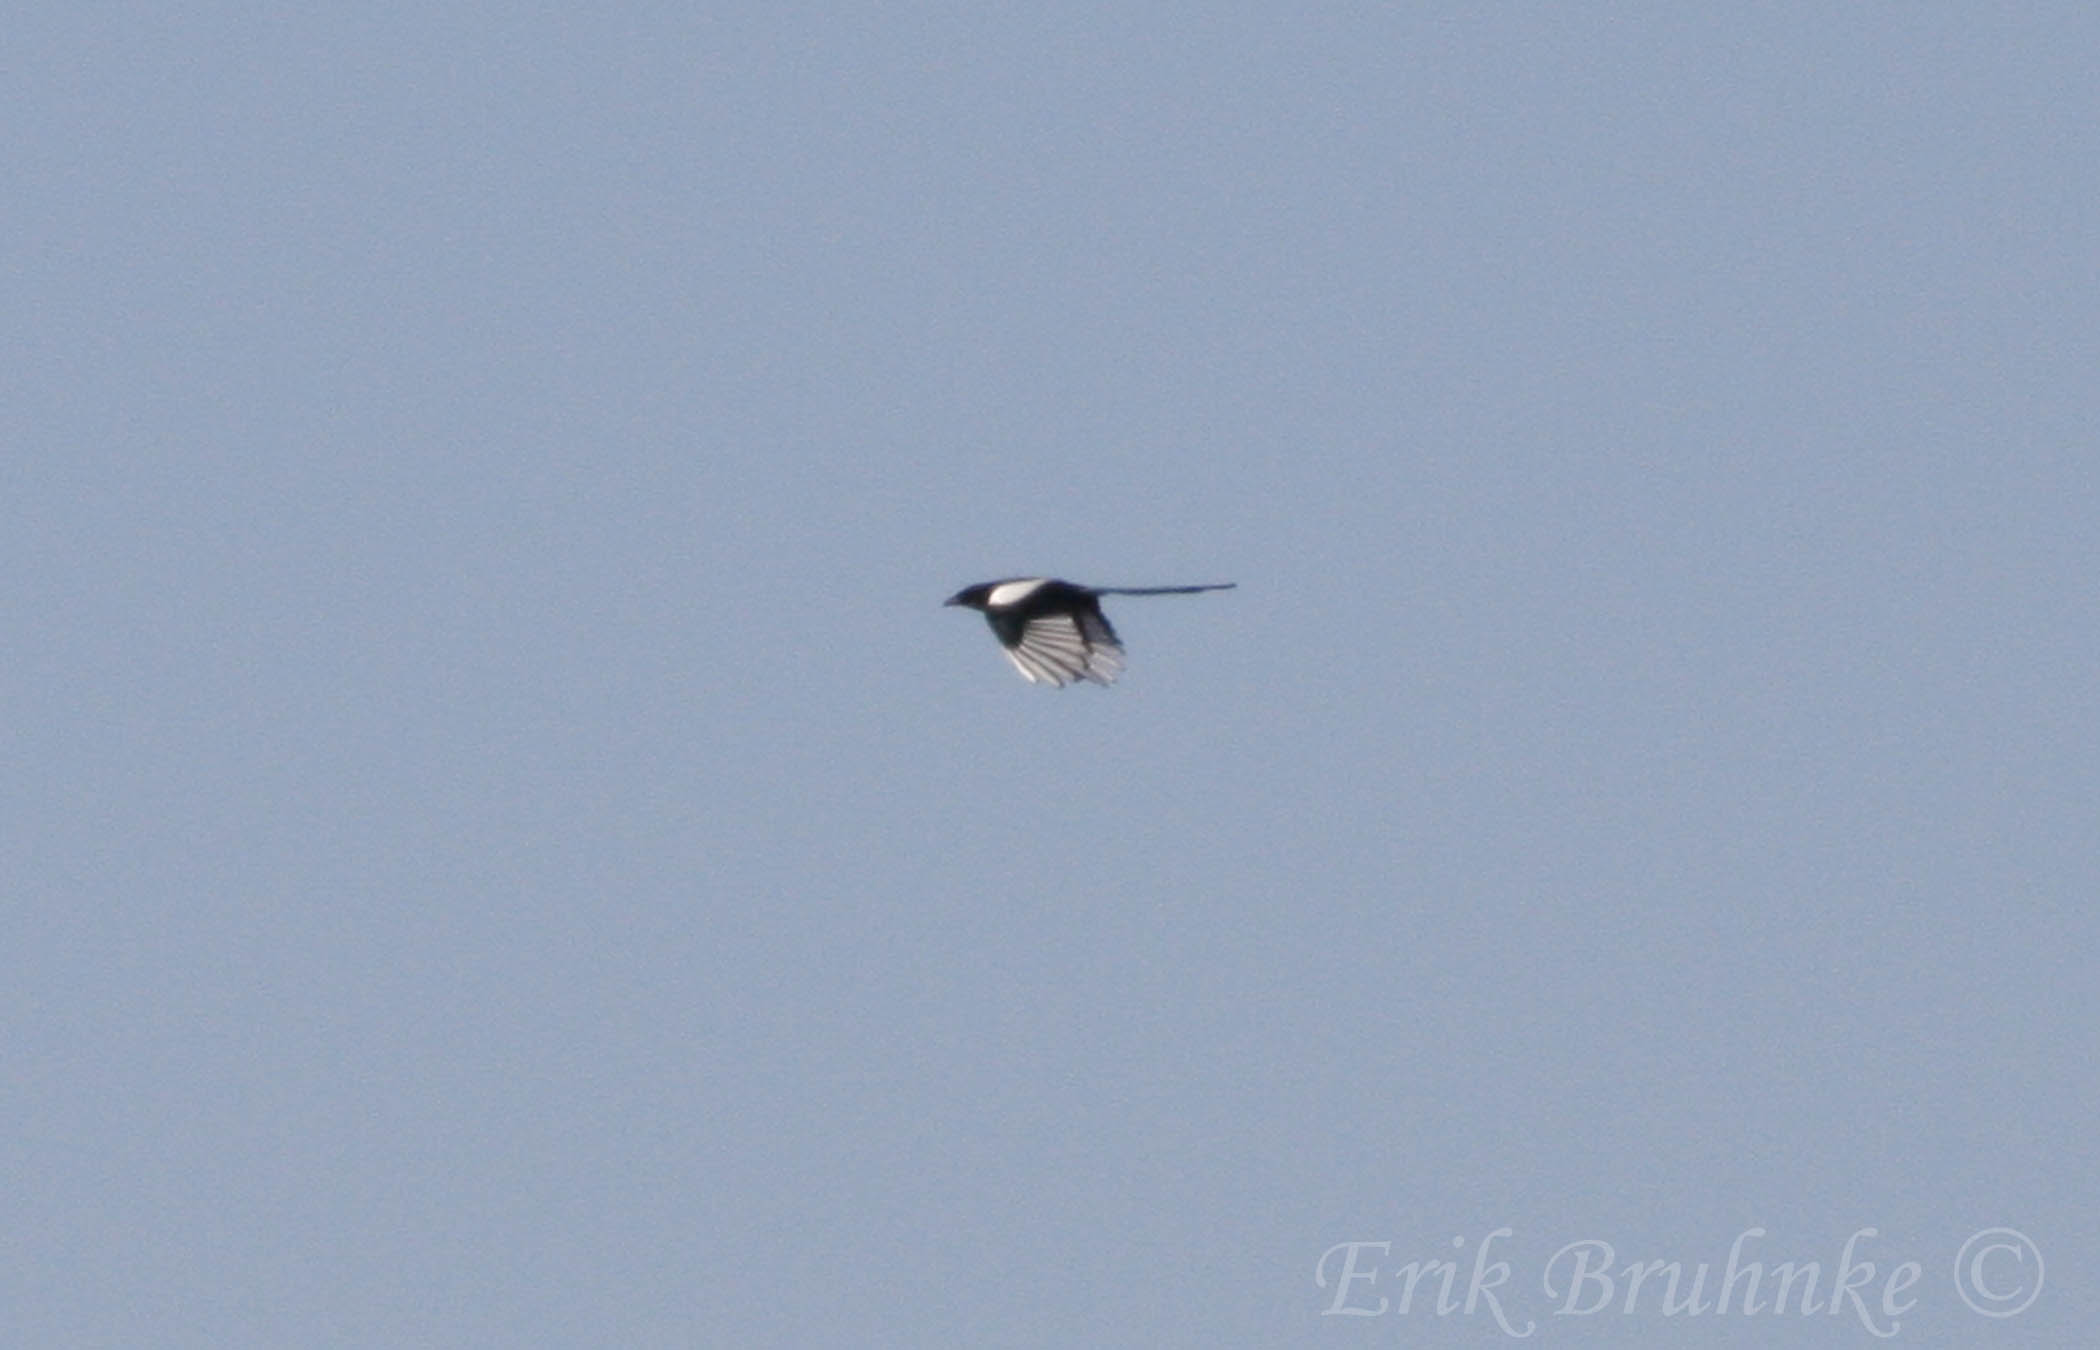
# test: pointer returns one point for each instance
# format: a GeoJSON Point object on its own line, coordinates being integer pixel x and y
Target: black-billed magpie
{"type": "Point", "coordinates": [1054, 631]}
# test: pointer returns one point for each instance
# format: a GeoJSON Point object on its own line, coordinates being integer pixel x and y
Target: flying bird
{"type": "Point", "coordinates": [1054, 631]}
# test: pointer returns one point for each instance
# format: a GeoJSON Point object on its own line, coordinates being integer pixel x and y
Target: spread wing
{"type": "Point", "coordinates": [1063, 647]}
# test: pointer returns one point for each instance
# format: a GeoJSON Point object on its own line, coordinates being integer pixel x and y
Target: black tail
{"type": "Point", "coordinates": [1162, 590]}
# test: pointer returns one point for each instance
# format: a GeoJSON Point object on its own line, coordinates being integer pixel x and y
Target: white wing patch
{"type": "Point", "coordinates": [1055, 650]}
{"type": "Point", "coordinates": [1013, 592]}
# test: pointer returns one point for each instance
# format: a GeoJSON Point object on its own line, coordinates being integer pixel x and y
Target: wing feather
{"type": "Point", "coordinates": [1061, 649]}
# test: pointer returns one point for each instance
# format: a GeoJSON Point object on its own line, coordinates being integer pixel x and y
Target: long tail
{"type": "Point", "coordinates": [1162, 590]}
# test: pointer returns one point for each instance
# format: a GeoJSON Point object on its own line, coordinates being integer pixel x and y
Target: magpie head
{"type": "Point", "coordinates": [972, 596]}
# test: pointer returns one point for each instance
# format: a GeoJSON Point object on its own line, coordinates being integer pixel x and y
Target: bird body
{"type": "Point", "coordinates": [1054, 631]}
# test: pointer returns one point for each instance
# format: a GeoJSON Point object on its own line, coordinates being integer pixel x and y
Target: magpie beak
{"type": "Point", "coordinates": [1054, 631]}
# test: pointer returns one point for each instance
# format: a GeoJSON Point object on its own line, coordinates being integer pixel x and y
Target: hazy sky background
{"type": "Point", "coordinates": [504, 847]}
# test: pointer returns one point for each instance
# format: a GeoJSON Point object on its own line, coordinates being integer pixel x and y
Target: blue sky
{"type": "Point", "coordinates": [504, 845]}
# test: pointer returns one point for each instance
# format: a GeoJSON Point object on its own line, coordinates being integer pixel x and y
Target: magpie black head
{"type": "Point", "coordinates": [1054, 631]}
